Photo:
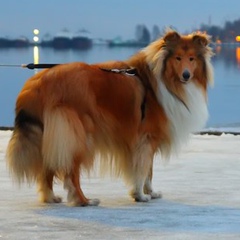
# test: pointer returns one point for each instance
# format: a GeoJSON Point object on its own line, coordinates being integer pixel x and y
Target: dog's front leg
{"type": "Point", "coordinates": [148, 189]}
{"type": "Point", "coordinates": [142, 163]}
{"type": "Point", "coordinates": [137, 191]}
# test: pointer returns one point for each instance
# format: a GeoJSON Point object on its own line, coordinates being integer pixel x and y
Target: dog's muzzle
{"type": "Point", "coordinates": [185, 76]}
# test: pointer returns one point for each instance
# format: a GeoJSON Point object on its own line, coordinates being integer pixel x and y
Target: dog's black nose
{"type": "Point", "coordinates": [186, 75]}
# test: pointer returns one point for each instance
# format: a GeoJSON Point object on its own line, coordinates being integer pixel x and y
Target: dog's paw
{"type": "Point", "coordinates": [155, 195]}
{"type": "Point", "coordinates": [57, 199]}
{"type": "Point", "coordinates": [89, 202]}
{"type": "Point", "coordinates": [51, 199]}
{"type": "Point", "coordinates": [141, 197]}
{"type": "Point", "coordinates": [93, 202]}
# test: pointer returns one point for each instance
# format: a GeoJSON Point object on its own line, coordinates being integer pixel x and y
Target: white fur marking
{"type": "Point", "coordinates": [183, 121]}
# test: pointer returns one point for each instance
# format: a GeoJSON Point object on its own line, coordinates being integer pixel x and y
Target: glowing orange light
{"type": "Point", "coordinates": [238, 38]}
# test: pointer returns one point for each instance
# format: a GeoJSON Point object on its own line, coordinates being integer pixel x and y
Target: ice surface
{"type": "Point", "coordinates": [201, 200]}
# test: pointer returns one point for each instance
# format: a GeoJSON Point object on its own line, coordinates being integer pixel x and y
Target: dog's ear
{"type": "Point", "coordinates": [201, 39]}
{"type": "Point", "coordinates": [171, 37]}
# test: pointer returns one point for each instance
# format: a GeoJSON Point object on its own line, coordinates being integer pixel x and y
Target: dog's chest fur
{"type": "Point", "coordinates": [183, 120]}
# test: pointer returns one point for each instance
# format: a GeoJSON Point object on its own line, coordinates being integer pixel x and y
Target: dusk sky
{"type": "Point", "coordinates": [111, 18]}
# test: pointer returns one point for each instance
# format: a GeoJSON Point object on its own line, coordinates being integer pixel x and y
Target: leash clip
{"type": "Point", "coordinates": [128, 71]}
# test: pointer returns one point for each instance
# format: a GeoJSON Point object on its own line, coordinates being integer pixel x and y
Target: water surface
{"type": "Point", "coordinates": [224, 97]}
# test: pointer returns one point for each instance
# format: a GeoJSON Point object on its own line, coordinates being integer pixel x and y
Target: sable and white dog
{"type": "Point", "coordinates": [124, 111]}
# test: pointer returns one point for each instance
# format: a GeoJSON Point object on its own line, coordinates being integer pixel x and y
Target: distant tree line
{"type": "Point", "coordinates": [227, 33]}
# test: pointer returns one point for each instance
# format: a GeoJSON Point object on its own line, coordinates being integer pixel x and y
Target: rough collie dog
{"type": "Point", "coordinates": [123, 111]}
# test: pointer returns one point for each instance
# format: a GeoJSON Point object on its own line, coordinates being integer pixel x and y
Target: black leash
{"type": "Point", "coordinates": [40, 65]}
{"type": "Point", "coordinates": [31, 65]}
{"type": "Point", "coordinates": [128, 71]}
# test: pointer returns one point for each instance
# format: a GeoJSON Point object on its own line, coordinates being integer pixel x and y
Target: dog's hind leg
{"type": "Point", "coordinates": [75, 194]}
{"type": "Point", "coordinates": [148, 189]}
{"type": "Point", "coordinates": [45, 187]}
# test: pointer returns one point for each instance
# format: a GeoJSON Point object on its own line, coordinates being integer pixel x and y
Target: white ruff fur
{"type": "Point", "coordinates": [183, 121]}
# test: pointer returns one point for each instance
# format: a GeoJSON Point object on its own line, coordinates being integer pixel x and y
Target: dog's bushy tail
{"type": "Point", "coordinates": [53, 145]}
{"type": "Point", "coordinates": [23, 155]}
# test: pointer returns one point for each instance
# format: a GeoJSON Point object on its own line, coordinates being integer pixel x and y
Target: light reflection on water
{"type": "Point", "coordinates": [224, 98]}
{"type": "Point", "coordinates": [238, 56]}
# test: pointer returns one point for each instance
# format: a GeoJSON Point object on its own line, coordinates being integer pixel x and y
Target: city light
{"type": "Point", "coordinates": [35, 48]}
{"type": "Point", "coordinates": [35, 38]}
{"type": "Point", "coordinates": [36, 31]}
{"type": "Point", "coordinates": [238, 38]}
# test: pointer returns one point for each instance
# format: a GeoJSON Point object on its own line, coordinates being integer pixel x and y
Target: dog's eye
{"type": "Point", "coordinates": [178, 58]}
{"type": "Point", "coordinates": [191, 59]}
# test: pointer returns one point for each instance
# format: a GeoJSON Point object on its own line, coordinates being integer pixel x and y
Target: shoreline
{"type": "Point", "coordinates": [203, 132]}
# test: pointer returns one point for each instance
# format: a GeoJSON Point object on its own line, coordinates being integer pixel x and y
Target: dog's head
{"type": "Point", "coordinates": [178, 59]}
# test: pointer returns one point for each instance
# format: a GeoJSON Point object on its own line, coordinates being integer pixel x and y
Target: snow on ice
{"type": "Point", "coordinates": [201, 200]}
